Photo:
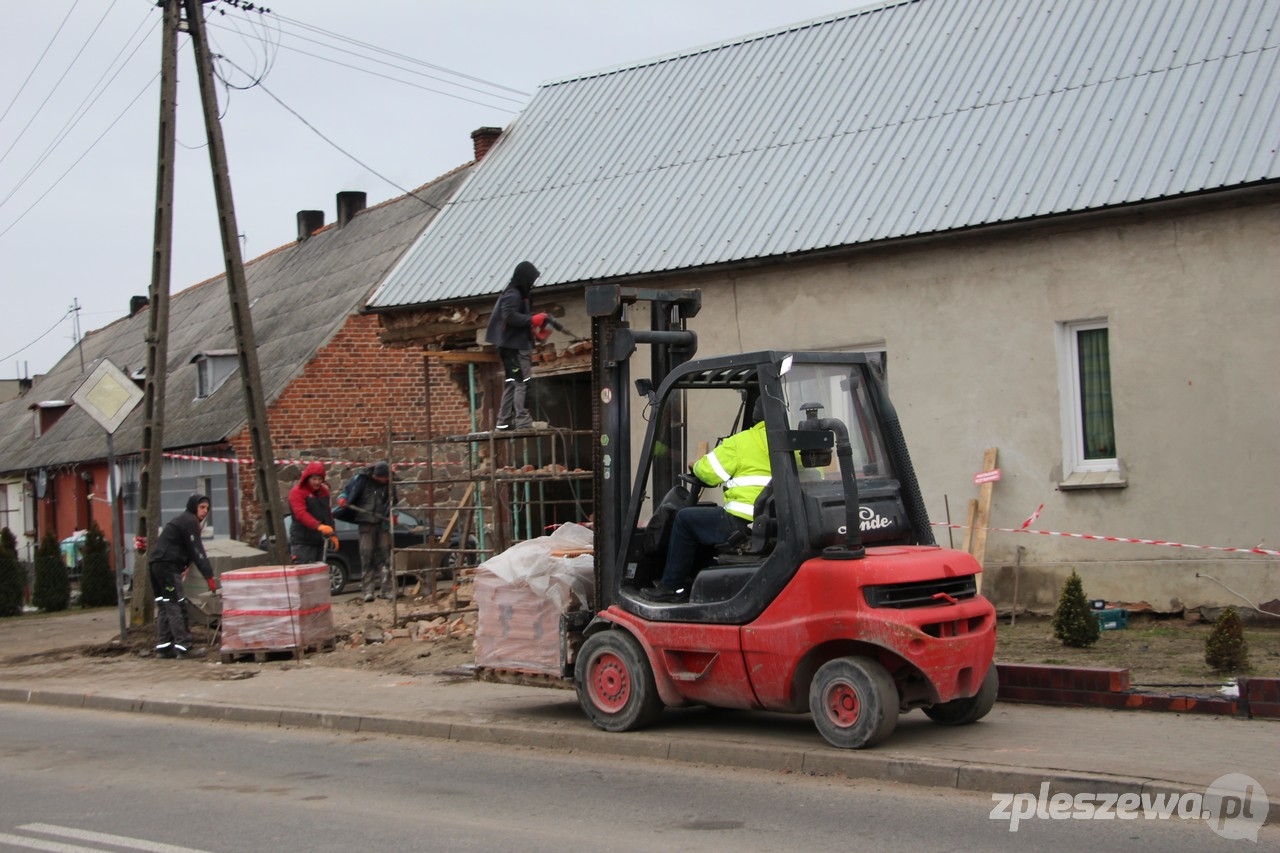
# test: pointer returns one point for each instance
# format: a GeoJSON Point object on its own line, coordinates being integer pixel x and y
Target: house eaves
{"type": "Point", "coordinates": [884, 123]}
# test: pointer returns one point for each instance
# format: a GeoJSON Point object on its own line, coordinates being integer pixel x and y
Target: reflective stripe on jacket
{"type": "Point", "coordinates": [740, 463]}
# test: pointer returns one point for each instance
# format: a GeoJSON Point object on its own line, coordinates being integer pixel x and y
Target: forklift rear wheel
{"type": "Point", "coordinates": [854, 702]}
{"type": "Point", "coordinates": [961, 712]}
{"type": "Point", "coordinates": [614, 682]}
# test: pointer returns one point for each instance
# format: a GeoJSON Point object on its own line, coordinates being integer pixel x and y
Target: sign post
{"type": "Point", "coordinates": [108, 396]}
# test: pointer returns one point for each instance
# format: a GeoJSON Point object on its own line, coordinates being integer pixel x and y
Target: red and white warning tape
{"type": "Point", "coordinates": [1026, 528]}
{"type": "Point", "coordinates": [343, 463]}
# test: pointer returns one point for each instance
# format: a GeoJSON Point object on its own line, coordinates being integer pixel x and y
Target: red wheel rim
{"type": "Point", "coordinates": [610, 683]}
{"type": "Point", "coordinates": [843, 706]}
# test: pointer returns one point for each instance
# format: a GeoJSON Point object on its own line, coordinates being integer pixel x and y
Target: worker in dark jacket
{"type": "Point", "coordinates": [178, 546]}
{"type": "Point", "coordinates": [511, 329]}
{"type": "Point", "coordinates": [312, 524]}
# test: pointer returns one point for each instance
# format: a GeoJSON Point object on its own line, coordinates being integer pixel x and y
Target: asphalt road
{"type": "Point", "coordinates": [75, 780]}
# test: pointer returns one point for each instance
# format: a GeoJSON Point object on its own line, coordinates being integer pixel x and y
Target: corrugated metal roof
{"type": "Point", "coordinates": [300, 296]}
{"type": "Point", "coordinates": [907, 118]}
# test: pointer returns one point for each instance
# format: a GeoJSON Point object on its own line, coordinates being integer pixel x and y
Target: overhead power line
{"type": "Point", "coordinates": [65, 72]}
{"type": "Point", "coordinates": [447, 94]}
{"type": "Point", "coordinates": [335, 145]}
{"type": "Point", "coordinates": [39, 61]}
{"type": "Point", "coordinates": [37, 340]}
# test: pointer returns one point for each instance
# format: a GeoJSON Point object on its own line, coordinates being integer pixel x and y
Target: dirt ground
{"type": "Point", "coordinates": [1162, 654]}
{"type": "Point", "coordinates": [426, 637]}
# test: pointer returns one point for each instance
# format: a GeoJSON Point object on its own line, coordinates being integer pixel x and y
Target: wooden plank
{"type": "Point", "coordinates": [984, 510]}
{"type": "Point", "coordinates": [454, 356]}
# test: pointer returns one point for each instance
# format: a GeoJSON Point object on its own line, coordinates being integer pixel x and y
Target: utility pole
{"type": "Point", "coordinates": [141, 606]}
{"type": "Point", "coordinates": [268, 487]}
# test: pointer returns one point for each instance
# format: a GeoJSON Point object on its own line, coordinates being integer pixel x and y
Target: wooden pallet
{"type": "Point", "coordinates": [524, 677]}
{"type": "Point", "coordinates": [263, 655]}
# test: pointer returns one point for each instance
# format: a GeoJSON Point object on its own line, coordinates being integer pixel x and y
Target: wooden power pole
{"type": "Point", "coordinates": [268, 487]}
{"type": "Point", "coordinates": [141, 606]}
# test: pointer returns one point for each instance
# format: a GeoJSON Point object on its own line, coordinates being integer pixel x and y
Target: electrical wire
{"type": "Point", "coordinates": [85, 105]}
{"type": "Point", "coordinates": [35, 67]}
{"type": "Point", "coordinates": [92, 145]}
{"type": "Point", "coordinates": [335, 145]}
{"type": "Point", "coordinates": [376, 49]}
{"type": "Point", "coordinates": [42, 337]}
{"type": "Point", "coordinates": [65, 72]}
{"type": "Point", "coordinates": [430, 89]}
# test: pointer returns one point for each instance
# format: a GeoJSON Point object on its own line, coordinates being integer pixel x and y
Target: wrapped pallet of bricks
{"type": "Point", "coordinates": [520, 595]}
{"type": "Point", "coordinates": [277, 608]}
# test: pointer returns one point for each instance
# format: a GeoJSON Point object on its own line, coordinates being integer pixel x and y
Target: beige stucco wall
{"type": "Point", "coordinates": [969, 325]}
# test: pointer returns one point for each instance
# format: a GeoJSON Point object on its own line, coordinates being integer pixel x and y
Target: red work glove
{"type": "Point", "coordinates": [333, 542]}
{"type": "Point", "coordinates": [213, 585]}
{"type": "Point", "coordinates": [325, 530]}
{"type": "Point", "coordinates": [140, 544]}
{"type": "Point", "coordinates": [539, 319]}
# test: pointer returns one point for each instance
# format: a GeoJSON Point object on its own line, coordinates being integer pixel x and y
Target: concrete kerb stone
{"type": "Point", "coordinates": [99, 702]}
{"type": "Point", "coordinates": [936, 773]}
{"type": "Point", "coordinates": [320, 720]}
{"type": "Point", "coordinates": [940, 773]}
{"type": "Point", "coordinates": [407, 728]}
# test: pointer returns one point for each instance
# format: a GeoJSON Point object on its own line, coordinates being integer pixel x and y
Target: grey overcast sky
{"type": "Point", "coordinates": [396, 84]}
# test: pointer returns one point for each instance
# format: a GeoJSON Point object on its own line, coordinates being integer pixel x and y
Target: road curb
{"type": "Point", "coordinates": [873, 765]}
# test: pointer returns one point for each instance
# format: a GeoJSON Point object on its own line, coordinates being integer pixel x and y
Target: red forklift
{"type": "Point", "coordinates": [838, 602]}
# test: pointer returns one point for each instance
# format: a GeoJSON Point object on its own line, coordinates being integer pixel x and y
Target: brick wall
{"type": "Point", "coordinates": [341, 406]}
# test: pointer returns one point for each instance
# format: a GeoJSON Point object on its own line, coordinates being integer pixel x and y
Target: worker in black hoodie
{"type": "Point", "coordinates": [178, 546]}
{"type": "Point", "coordinates": [511, 330]}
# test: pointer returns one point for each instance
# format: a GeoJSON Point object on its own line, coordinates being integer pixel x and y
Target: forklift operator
{"type": "Point", "coordinates": [740, 464]}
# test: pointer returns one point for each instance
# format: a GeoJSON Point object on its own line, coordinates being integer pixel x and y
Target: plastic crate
{"type": "Point", "coordinates": [1112, 618]}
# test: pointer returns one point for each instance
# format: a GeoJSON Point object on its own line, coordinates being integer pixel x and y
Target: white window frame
{"type": "Point", "coordinates": [1076, 469]}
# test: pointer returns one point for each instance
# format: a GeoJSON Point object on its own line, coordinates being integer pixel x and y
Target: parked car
{"type": "Point", "coordinates": [344, 564]}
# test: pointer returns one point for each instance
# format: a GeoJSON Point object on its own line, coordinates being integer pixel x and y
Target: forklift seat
{"type": "Point", "coordinates": [764, 532]}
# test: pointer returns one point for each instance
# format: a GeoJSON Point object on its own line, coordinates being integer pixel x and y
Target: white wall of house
{"type": "Point", "coordinates": [971, 329]}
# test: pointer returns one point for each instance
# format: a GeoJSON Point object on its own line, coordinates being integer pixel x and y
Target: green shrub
{"type": "Point", "coordinates": [1073, 622]}
{"type": "Point", "coordinates": [97, 582]}
{"type": "Point", "coordinates": [52, 590]}
{"type": "Point", "coordinates": [13, 579]}
{"type": "Point", "coordinates": [1225, 649]}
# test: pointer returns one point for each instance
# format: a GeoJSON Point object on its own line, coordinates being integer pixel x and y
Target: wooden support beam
{"type": "Point", "coordinates": [984, 510]}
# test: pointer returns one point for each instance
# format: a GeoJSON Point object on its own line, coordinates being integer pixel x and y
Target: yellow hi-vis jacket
{"type": "Point", "coordinates": [740, 463]}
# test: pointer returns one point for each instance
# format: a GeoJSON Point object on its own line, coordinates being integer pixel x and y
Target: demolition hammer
{"type": "Point", "coordinates": [544, 331]}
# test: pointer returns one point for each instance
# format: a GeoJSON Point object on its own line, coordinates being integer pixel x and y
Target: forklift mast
{"type": "Point", "coordinates": [613, 342]}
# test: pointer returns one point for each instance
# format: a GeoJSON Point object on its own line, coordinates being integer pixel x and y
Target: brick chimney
{"type": "Point", "coordinates": [309, 222]}
{"type": "Point", "coordinates": [137, 303]}
{"type": "Point", "coordinates": [350, 203]}
{"type": "Point", "coordinates": [484, 138]}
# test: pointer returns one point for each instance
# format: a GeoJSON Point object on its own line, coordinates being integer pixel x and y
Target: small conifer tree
{"type": "Point", "coordinates": [1225, 649]}
{"type": "Point", "coordinates": [97, 583]}
{"type": "Point", "coordinates": [13, 579]}
{"type": "Point", "coordinates": [1073, 622]}
{"type": "Point", "coordinates": [52, 590]}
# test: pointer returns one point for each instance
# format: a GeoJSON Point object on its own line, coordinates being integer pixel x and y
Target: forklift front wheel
{"type": "Point", "coordinates": [854, 702]}
{"type": "Point", "coordinates": [614, 682]}
{"type": "Point", "coordinates": [962, 712]}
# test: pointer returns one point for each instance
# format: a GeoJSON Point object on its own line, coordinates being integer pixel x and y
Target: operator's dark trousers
{"type": "Point", "coordinates": [173, 628]}
{"type": "Point", "coordinates": [517, 370]}
{"type": "Point", "coordinates": [694, 526]}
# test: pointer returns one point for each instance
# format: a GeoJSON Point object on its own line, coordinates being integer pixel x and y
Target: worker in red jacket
{"type": "Point", "coordinates": [312, 525]}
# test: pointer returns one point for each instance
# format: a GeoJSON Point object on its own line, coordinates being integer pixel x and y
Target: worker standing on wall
{"type": "Point", "coordinates": [511, 329]}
